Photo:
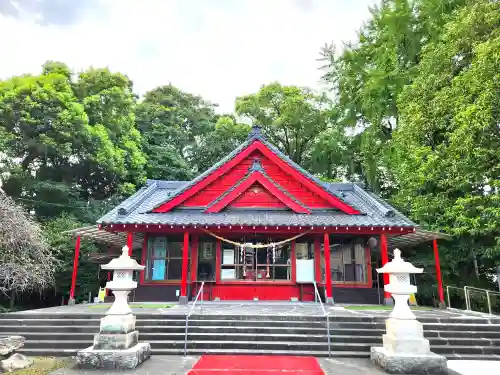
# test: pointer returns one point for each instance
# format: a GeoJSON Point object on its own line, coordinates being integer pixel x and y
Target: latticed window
{"type": "Point", "coordinates": [165, 258]}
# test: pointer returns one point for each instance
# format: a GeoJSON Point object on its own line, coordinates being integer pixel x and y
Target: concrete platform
{"type": "Point", "coordinates": [258, 308]}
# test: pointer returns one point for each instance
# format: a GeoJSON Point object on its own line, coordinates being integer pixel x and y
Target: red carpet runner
{"type": "Point", "coordinates": [256, 365]}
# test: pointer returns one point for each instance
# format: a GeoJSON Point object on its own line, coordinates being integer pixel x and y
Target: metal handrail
{"type": "Point", "coordinates": [487, 291]}
{"type": "Point", "coordinates": [448, 295]}
{"type": "Point", "coordinates": [325, 314]}
{"type": "Point", "coordinates": [190, 311]}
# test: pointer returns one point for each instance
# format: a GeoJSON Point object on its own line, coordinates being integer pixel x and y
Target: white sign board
{"type": "Point", "coordinates": [305, 270]}
{"type": "Point", "coordinates": [228, 256]}
{"type": "Point", "coordinates": [228, 274]}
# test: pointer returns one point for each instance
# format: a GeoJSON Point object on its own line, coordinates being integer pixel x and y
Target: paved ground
{"type": "Point", "coordinates": [260, 308]}
{"type": "Point", "coordinates": [168, 365]}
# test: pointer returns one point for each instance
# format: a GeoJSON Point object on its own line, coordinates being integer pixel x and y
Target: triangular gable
{"type": "Point", "coordinates": [253, 145]}
{"type": "Point", "coordinates": [257, 197]}
{"type": "Point", "coordinates": [256, 176]}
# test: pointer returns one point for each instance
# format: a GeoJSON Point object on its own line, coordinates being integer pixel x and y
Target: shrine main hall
{"type": "Point", "coordinates": [257, 226]}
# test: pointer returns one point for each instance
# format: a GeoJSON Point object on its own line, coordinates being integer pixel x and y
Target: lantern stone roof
{"type": "Point", "coordinates": [398, 265]}
{"type": "Point", "coordinates": [123, 262]}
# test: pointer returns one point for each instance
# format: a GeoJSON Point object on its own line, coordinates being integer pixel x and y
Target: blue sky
{"type": "Point", "coordinates": [219, 49]}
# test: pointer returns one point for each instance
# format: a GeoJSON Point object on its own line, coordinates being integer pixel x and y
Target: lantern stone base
{"type": "Point", "coordinates": [398, 363]}
{"type": "Point", "coordinates": [116, 341]}
{"type": "Point", "coordinates": [406, 351]}
{"type": "Point", "coordinates": [118, 324]}
{"type": "Point", "coordinates": [109, 359]}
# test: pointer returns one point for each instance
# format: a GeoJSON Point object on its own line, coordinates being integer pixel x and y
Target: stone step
{"type": "Point", "coordinates": [257, 330]}
{"type": "Point", "coordinates": [236, 336]}
{"type": "Point", "coordinates": [344, 354]}
{"type": "Point", "coordinates": [357, 326]}
{"type": "Point", "coordinates": [267, 345]}
{"type": "Point", "coordinates": [180, 351]}
{"type": "Point", "coordinates": [212, 344]}
{"type": "Point", "coordinates": [242, 317]}
{"type": "Point", "coordinates": [469, 350]}
{"type": "Point", "coordinates": [239, 336]}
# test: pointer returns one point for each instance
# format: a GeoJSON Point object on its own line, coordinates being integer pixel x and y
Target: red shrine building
{"type": "Point", "coordinates": [257, 226]}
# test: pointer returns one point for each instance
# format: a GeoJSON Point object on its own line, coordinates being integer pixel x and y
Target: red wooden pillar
{"type": "Point", "coordinates": [75, 271]}
{"type": "Point", "coordinates": [185, 260]}
{"type": "Point", "coordinates": [328, 271]}
{"type": "Point", "coordinates": [144, 258]}
{"type": "Point", "coordinates": [385, 259]}
{"type": "Point", "coordinates": [438, 273]}
{"type": "Point", "coordinates": [130, 242]}
{"type": "Point", "coordinates": [317, 260]}
{"type": "Point", "coordinates": [294, 263]}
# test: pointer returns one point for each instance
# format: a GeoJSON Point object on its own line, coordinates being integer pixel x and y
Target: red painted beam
{"type": "Point", "coordinates": [438, 272]}
{"type": "Point", "coordinates": [185, 260]}
{"type": "Point", "coordinates": [167, 228]}
{"type": "Point", "coordinates": [385, 259]}
{"type": "Point", "coordinates": [264, 181]}
{"type": "Point", "coordinates": [130, 242]}
{"type": "Point", "coordinates": [75, 268]}
{"type": "Point", "coordinates": [328, 270]}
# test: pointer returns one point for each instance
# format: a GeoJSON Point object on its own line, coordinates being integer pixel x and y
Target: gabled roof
{"type": "Point", "coordinates": [137, 210]}
{"type": "Point", "coordinates": [160, 202]}
{"type": "Point", "coordinates": [254, 141]}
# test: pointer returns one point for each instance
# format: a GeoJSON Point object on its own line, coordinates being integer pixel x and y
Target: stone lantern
{"type": "Point", "coordinates": [116, 345]}
{"type": "Point", "coordinates": [405, 350]}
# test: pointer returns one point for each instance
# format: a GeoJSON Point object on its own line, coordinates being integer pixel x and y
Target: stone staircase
{"type": "Point", "coordinates": [351, 336]}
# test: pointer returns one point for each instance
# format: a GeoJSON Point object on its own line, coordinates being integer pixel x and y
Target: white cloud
{"type": "Point", "coordinates": [219, 49]}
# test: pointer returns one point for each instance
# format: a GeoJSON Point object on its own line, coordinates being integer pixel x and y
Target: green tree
{"type": "Point", "coordinates": [446, 149]}
{"type": "Point", "coordinates": [171, 122]}
{"type": "Point", "coordinates": [368, 76]}
{"type": "Point", "coordinates": [214, 145]}
{"type": "Point", "coordinates": [68, 142]}
{"type": "Point", "coordinates": [291, 117]}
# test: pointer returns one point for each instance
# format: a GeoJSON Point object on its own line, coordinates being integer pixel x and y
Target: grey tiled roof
{"type": "Point", "coordinates": [376, 212]}
{"type": "Point", "coordinates": [137, 208]}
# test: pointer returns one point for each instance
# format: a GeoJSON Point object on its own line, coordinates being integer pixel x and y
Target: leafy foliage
{"type": "Point", "coordinates": [447, 146]}
{"type": "Point", "coordinates": [291, 117]}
